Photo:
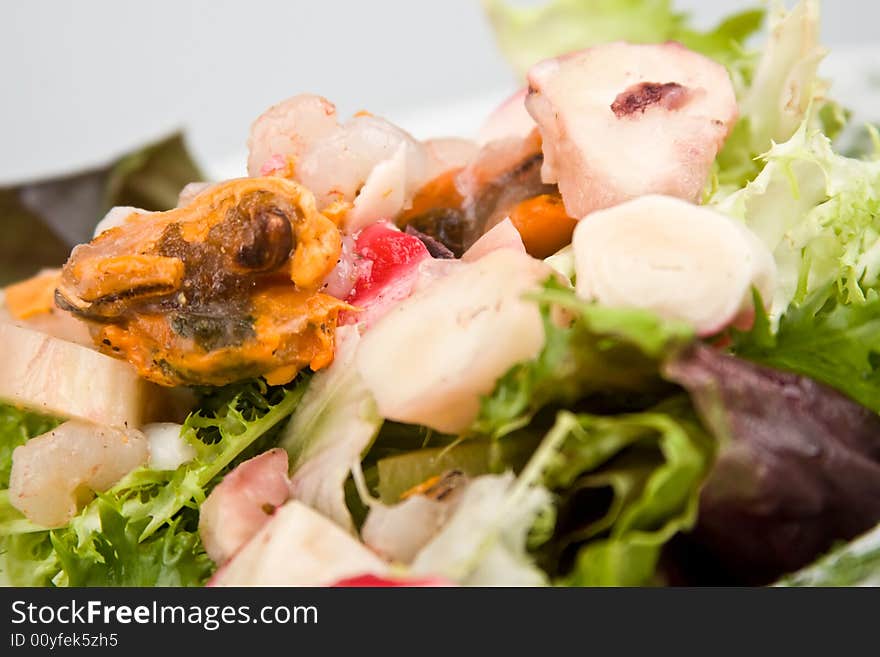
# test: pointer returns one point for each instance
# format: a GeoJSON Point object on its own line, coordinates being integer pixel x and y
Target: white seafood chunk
{"type": "Point", "coordinates": [53, 475]}
{"type": "Point", "coordinates": [682, 261]}
{"type": "Point", "coordinates": [620, 120]}
{"type": "Point", "coordinates": [431, 358]}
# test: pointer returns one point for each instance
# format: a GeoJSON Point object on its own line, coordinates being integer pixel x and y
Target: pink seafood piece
{"type": "Point", "coordinates": [242, 503]}
{"type": "Point", "coordinates": [502, 235]}
{"type": "Point", "coordinates": [388, 265]}
{"type": "Point", "coordinates": [285, 131]}
{"type": "Point", "coordinates": [448, 153]}
{"type": "Point", "coordinates": [509, 119]}
{"type": "Point", "coordinates": [370, 580]}
{"type": "Point", "coordinates": [619, 121]}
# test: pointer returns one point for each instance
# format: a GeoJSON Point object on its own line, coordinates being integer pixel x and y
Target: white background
{"type": "Point", "coordinates": [83, 81]}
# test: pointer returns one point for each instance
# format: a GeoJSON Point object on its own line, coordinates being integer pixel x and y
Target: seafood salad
{"type": "Point", "coordinates": [627, 333]}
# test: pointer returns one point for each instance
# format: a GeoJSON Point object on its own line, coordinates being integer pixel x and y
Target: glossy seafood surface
{"type": "Point", "coordinates": [219, 290]}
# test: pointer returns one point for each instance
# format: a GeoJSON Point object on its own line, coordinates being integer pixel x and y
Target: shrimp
{"type": "Point", "coordinates": [53, 475]}
{"type": "Point", "coordinates": [367, 161]}
{"type": "Point", "coordinates": [338, 166]}
{"type": "Point", "coordinates": [283, 133]}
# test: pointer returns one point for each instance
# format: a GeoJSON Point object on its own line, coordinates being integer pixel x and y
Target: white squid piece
{"type": "Point", "coordinates": [448, 344]}
{"type": "Point", "coordinates": [680, 260]}
{"type": "Point", "coordinates": [620, 120]}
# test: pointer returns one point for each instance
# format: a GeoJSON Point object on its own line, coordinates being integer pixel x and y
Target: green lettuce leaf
{"type": "Point", "coordinates": [528, 35]}
{"type": "Point", "coordinates": [825, 339]}
{"type": "Point", "coordinates": [639, 471]}
{"type": "Point", "coordinates": [43, 219]}
{"type": "Point", "coordinates": [116, 556]}
{"type": "Point", "coordinates": [783, 87]}
{"type": "Point", "coordinates": [856, 563]}
{"type": "Point", "coordinates": [16, 427]}
{"type": "Point", "coordinates": [144, 530]}
{"type": "Point", "coordinates": [628, 484]}
{"type": "Point", "coordinates": [398, 474]}
{"type": "Point", "coordinates": [334, 425]}
{"type": "Point", "coordinates": [603, 350]}
{"type": "Point", "coordinates": [817, 213]}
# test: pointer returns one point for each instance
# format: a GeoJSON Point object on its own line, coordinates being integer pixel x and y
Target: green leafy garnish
{"type": "Point", "coordinates": [528, 35]}
{"type": "Point", "coordinates": [817, 213]}
{"type": "Point", "coordinates": [627, 484]}
{"type": "Point", "coordinates": [825, 339]}
{"type": "Point", "coordinates": [602, 350]}
{"type": "Point", "coordinates": [144, 530]}
{"type": "Point", "coordinates": [856, 563]}
{"type": "Point", "coordinates": [44, 219]}
{"type": "Point", "coordinates": [16, 427]}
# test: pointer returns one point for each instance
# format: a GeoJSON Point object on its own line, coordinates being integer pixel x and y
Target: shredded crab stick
{"type": "Point", "coordinates": [389, 271]}
{"type": "Point", "coordinates": [621, 120]}
{"type": "Point", "coordinates": [679, 260]}
{"type": "Point", "coordinates": [373, 581]}
{"type": "Point", "coordinates": [54, 474]}
{"type": "Point", "coordinates": [222, 289]}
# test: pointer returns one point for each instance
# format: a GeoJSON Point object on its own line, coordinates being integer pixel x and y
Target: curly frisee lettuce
{"type": "Point", "coordinates": [144, 530]}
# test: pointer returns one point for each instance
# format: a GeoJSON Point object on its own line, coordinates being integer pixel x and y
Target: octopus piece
{"type": "Point", "coordinates": [242, 503]}
{"type": "Point", "coordinates": [216, 291]}
{"type": "Point", "coordinates": [620, 120]}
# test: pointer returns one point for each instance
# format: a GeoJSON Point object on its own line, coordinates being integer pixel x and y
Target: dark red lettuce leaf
{"type": "Point", "coordinates": [42, 220]}
{"type": "Point", "coordinates": [798, 468]}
